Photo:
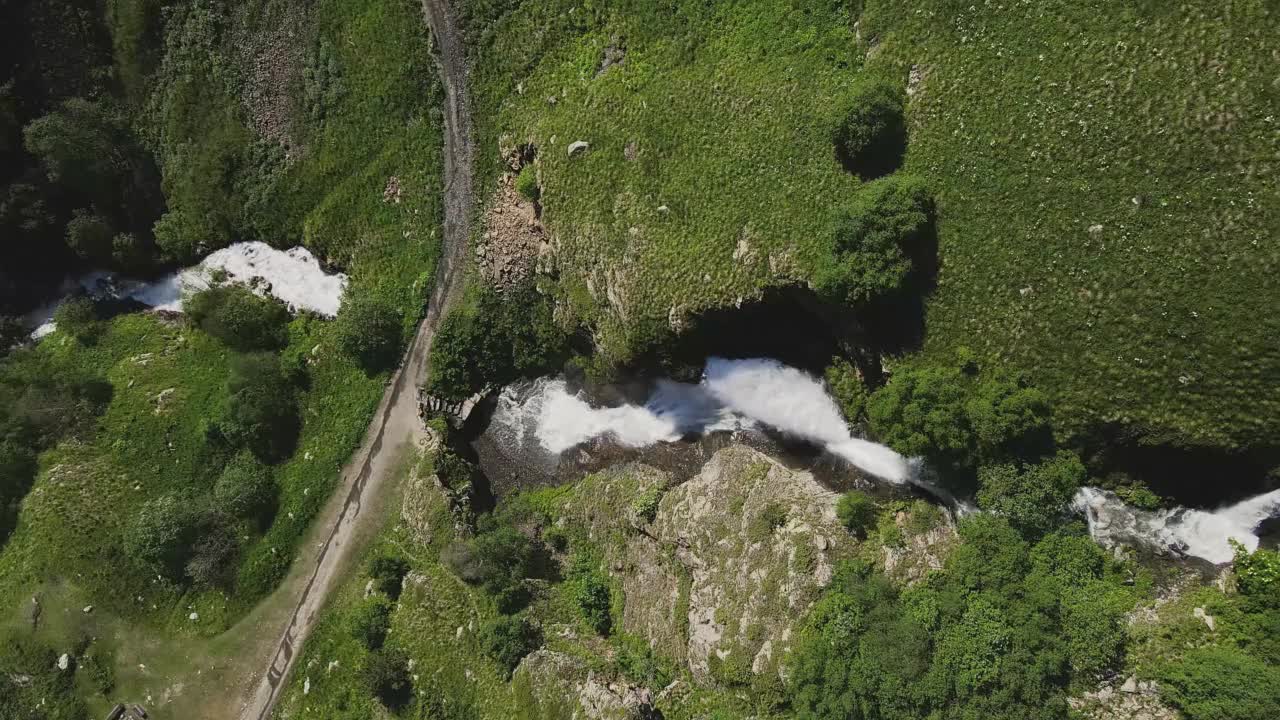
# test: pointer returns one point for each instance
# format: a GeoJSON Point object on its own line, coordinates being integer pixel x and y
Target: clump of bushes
{"type": "Point", "coordinates": [371, 621]}
{"type": "Point", "coordinates": [1001, 631]}
{"type": "Point", "coordinates": [844, 382]}
{"type": "Point", "coordinates": [645, 506]}
{"type": "Point", "coordinates": [389, 571]}
{"type": "Point", "coordinates": [184, 539]}
{"type": "Point", "coordinates": [239, 317]}
{"type": "Point", "coordinates": [870, 137]}
{"type": "Point", "coordinates": [1220, 683]}
{"type": "Point", "coordinates": [505, 336]}
{"type": "Point", "coordinates": [591, 594]}
{"type": "Point", "coordinates": [386, 676]}
{"type": "Point", "coordinates": [245, 489]}
{"type": "Point", "coordinates": [508, 639]}
{"type": "Point", "coordinates": [262, 410]}
{"type": "Point", "coordinates": [368, 331]}
{"type": "Point", "coordinates": [1032, 497]}
{"type": "Point", "coordinates": [857, 512]}
{"type": "Point", "coordinates": [959, 419]}
{"type": "Point", "coordinates": [78, 318]}
{"type": "Point", "coordinates": [499, 560]}
{"type": "Point", "coordinates": [874, 239]}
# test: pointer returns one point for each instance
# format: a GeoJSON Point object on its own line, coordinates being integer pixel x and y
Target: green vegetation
{"type": "Point", "coordinates": [871, 136]}
{"type": "Point", "coordinates": [527, 183]}
{"type": "Point", "coordinates": [368, 331]}
{"type": "Point", "coordinates": [857, 512]}
{"type": "Point", "coordinates": [386, 675]}
{"type": "Point", "coordinates": [246, 489]}
{"type": "Point", "coordinates": [1218, 684]}
{"type": "Point", "coordinates": [591, 593]}
{"type": "Point", "coordinates": [508, 639]}
{"type": "Point", "coordinates": [499, 560]}
{"type": "Point", "coordinates": [844, 382]}
{"type": "Point", "coordinates": [78, 317]}
{"type": "Point", "coordinates": [498, 338]}
{"type": "Point", "coordinates": [1002, 630]}
{"type": "Point", "coordinates": [239, 317]}
{"type": "Point", "coordinates": [1032, 498]}
{"type": "Point", "coordinates": [371, 621]}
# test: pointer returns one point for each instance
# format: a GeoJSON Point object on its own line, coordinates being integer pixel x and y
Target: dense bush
{"type": "Point", "coordinates": [591, 594]}
{"type": "Point", "coordinates": [371, 620]}
{"type": "Point", "coordinates": [389, 572]}
{"type": "Point", "coordinates": [90, 237]}
{"type": "Point", "coordinates": [1031, 497]}
{"type": "Point", "coordinates": [508, 639]}
{"type": "Point", "coordinates": [957, 420]}
{"type": "Point", "coordinates": [871, 135]}
{"type": "Point", "coordinates": [239, 317]}
{"type": "Point", "coordinates": [368, 331]}
{"type": "Point", "coordinates": [1258, 574]}
{"type": "Point", "coordinates": [386, 675]}
{"type": "Point", "coordinates": [262, 410]}
{"type": "Point", "coordinates": [162, 534]}
{"type": "Point", "coordinates": [1220, 683]}
{"type": "Point", "coordinates": [999, 632]}
{"type": "Point", "coordinates": [873, 241]}
{"type": "Point", "coordinates": [844, 382]}
{"type": "Point", "coordinates": [857, 512]}
{"type": "Point", "coordinates": [504, 337]}
{"type": "Point", "coordinates": [214, 553]}
{"type": "Point", "coordinates": [78, 317]}
{"type": "Point", "coordinates": [499, 560]}
{"type": "Point", "coordinates": [182, 236]}
{"type": "Point", "coordinates": [245, 489]}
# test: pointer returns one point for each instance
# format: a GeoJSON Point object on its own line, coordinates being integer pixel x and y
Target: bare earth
{"type": "Point", "coordinates": [349, 515]}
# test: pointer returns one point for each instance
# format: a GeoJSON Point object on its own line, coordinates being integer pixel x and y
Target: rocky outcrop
{"type": "Point", "coordinates": [512, 239]}
{"type": "Point", "coordinates": [730, 562]}
{"type": "Point", "coordinates": [1127, 699]}
{"type": "Point", "coordinates": [556, 685]}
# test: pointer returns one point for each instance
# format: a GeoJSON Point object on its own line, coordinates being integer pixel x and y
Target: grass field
{"type": "Point", "coordinates": [1104, 173]}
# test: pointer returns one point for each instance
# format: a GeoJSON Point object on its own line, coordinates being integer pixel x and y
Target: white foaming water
{"type": "Point", "coordinates": [1198, 533]}
{"type": "Point", "coordinates": [294, 276]}
{"type": "Point", "coordinates": [733, 394]}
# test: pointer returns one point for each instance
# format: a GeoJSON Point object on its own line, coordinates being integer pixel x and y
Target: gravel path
{"type": "Point", "coordinates": [396, 421]}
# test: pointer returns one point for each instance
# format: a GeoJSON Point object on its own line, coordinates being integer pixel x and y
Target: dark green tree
{"type": "Point", "coordinates": [162, 534]}
{"type": "Point", "coordinates": [245, 489]}
{"type": "Point", "coordinates": [1031, 497]}
{"type": "Point", "coordinates": [371, 621]}
{"type": "Point", "coordinates": [873, 241]}
{"type": "Point", "coordinates": [508, 639]}
{"type": "Point", "coordinates": [870, 136]}
{"type": "Point", "coordinates": [90, 237]}
{"type": "Point", "coordinates": [368, 331]}
{"type": "Point", "coordinates": [78, 317]}
{"type": "Point", "coordinates": [239, 317]}
{"type": "Point", "coordinates": [386, 675]}
{"type": "Point", "coordinates": [262, 410]}
{"type": "Point", "coordinates": [857, 512]}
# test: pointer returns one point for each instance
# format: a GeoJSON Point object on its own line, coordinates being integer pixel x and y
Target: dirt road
{"type": "Point", "coordinates": [396, 421]}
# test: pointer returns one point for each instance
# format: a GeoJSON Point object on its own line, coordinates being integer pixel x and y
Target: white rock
{"type": "Point", "coordinates": [368, 588]}
{"type": "Point", "coordinates": [1130, 686]}
{"type": "Point", "coordinates": [1208, 619]}
{"type": "Point", "coordinates": [64, 661]}
{"type": "Point", "coordinates": [193, 616]}
{"type": "Point", "coordinates": [306, 686]}
{"type": "Point", "coordinates": [577, 147]}
{"type": "Point", "coordinates": [88, 609]}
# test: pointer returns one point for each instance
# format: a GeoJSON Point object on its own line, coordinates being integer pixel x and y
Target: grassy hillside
{"type": "Point", "coordinates": [1103, 175]}
{"type": "Point", "coordinates": [354, 173]}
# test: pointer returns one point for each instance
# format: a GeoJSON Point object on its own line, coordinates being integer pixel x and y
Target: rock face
{"type": "Point", "coordinates": [557, 685]}
{"type": "Point", "coordinates": [1127, 700]}
{"type": "Point", "coordinates": [731, 561]}
{"type": "Point", "coordinates": [513, 238]}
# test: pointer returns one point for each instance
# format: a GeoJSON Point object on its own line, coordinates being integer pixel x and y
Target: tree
{"type": "Point", "coordinates": [592, 595]}
{"type": "Point", "coordinates": [245, 489]}
{"type": "Point", "coordinates": [162, 534]}
{"type": "Point", "coordinates": [921, 413]}
{"type": "Point", "coordinates": [386, 675]}
{"type": "Point", "coordinates": [499, 561]}
{"type": "Point", "coordinates": [871, 135]}
{"type": "Point", "coordinates": [508, 639]}
{"type": "Point", "coordinates": [1010, 419]}
{"type": "Point", "coordinates": [90, 237]}
{"type": "Point", "coordinates": [390, 572]}
{"type": "Point", "coordinates": [78, 317]}
{"type": "Point", "coordinates": [372, 621]}
{"type": "Point", "coordinates": [1031, 497]}
{"type": "Point", "coordinates": [239, 317]}
{"type": "Point", "coordinates": [213, 556]}
{"type": "Point", "coordinates": [81, 144]}
{"type": "Point", "coordinates": [857, 512]}
{"type": "Point", "coordinates": [262, 410]}
{"type": "Point", "coordinates": [368, 331]}
{"type": "Point", "coordinates": [873, 241]}
{"type": "Point", "coordinates": [183, 236]}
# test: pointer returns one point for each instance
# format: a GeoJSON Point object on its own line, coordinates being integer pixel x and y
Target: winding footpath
{"type": "Point", "coordinates": [396, 421]}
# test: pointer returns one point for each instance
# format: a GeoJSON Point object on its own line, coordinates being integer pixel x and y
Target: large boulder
{"type": "Point", "coordinates": [555, 686]}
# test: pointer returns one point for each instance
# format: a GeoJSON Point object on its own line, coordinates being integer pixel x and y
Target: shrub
{"type": "Point", "coordinates": [873, 241]}
{"type": "Point", "coordinates": [78, 318]}
{"type": "Point", "coordinates": [506, 336]}
{"type": "Point", "coordinates": [90, 237]}
{"type": "Point", "coordinates": [871, 135]}
{"type": "Point", "coordinates": [1031, 497]}
{"type": "Point", "coordinates": [508, 639]}
{"type": "Point", "coordinates": [183, 236]}
{"type": "Point", "coordinates": [454, 471]}
{"type": "Point", "coordinates": [239, 317]}
{"type": "Point", "coordinates": [214, 553]}
{"type": "Point", "coordinates": [163, 533]}
{"type": "Point", "coordinates": [645, 506]}
{"type": "Point", "coordinates": [371, 621]}
{"type": "Point", "coordinates": [368, 331]}
{"type": "Point", "coordinates": [1258, 573]}
{"type": "Point", "coordinates": [245, 489]}
{"type": "Point", "coordinates": [771, 517]}
{"type": "Point", "coordinates": [262, 411]}
{"type": "Point", "coordinates": [527, 183]}
{"type": "Point", "coordinates": [390, 572]}
{"type": "Point", "coordinates": [1219, 683]}
{"type": "Point", "coordinates": [845, 385]}
{"type": "Point", "coordinates": [386, 675]}
{"type": "Point", "coordinates": [129, 253]}
{"type": "Point", "coordinates": [857, 512]}
{"type": "Point", "coordinates": [591, 594]}
{"type": "Point", "coordinates": [499, 561]}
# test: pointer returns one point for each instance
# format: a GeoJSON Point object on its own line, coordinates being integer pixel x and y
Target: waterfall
{"type": "Point", "coordinates": [739, 394]}
{"type": "Point", "coordinates": [293, 276]}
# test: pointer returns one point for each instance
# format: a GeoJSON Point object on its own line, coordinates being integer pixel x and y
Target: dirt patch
{"type": "Point", "coordinates": [512, 239]}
